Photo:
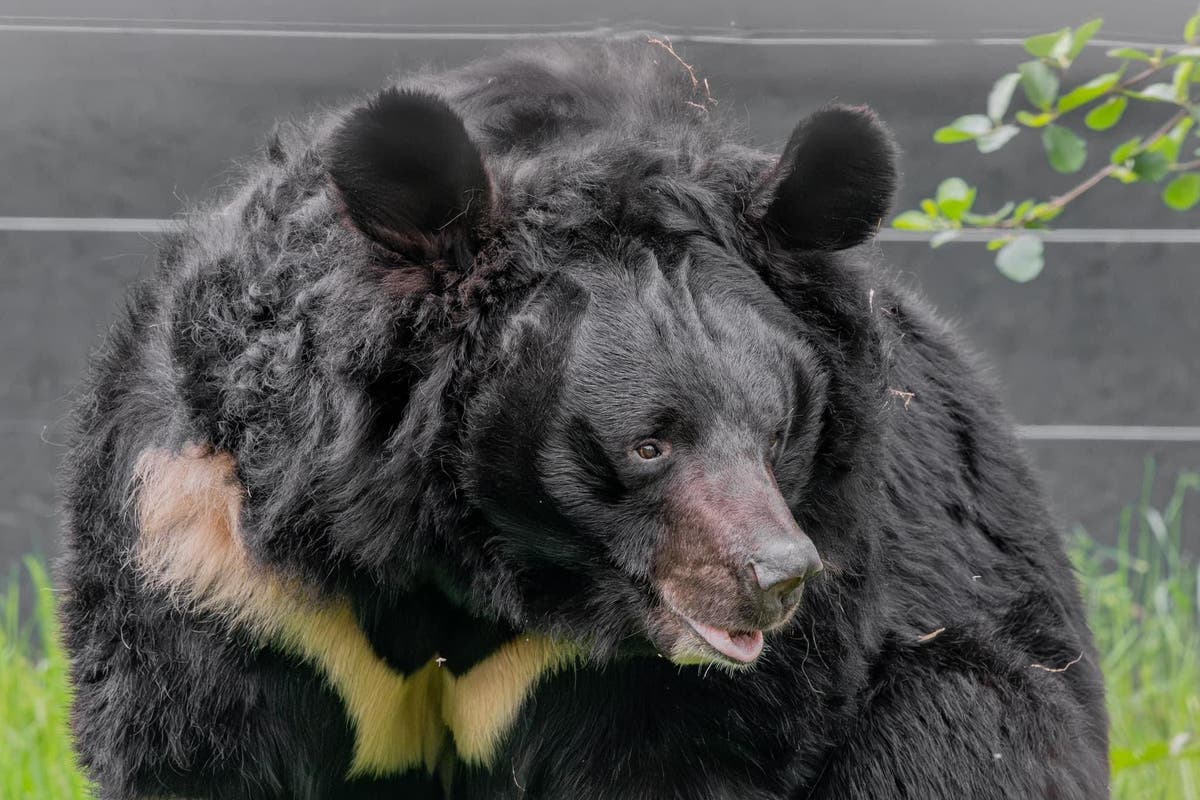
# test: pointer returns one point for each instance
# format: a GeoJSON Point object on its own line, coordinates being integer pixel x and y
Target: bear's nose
{"type": "Point", "coordinates": [781, 564]}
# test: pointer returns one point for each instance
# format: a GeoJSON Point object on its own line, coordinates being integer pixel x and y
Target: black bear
{"type": "Point", "coordinates": [518, 432]}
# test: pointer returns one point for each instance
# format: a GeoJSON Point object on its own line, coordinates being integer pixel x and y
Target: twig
{"type": "Point", "coordinates": [1063, 199]}
{"type": "Point", "coordinates": [931, 635]}
{"type": "Point", "coordinates": [1136, 79]}
{"type": "Point", "coordinates": [665, 44]}
{"type": "Point", "coordinates": [1100, 175]}
{"type": "Point", "coordinates": [1117, 88]}
{"type": "Point", "coordinates": [697, 83]}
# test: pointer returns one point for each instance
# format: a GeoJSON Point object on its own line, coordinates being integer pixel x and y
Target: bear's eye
{"type": "Point", "coordinates": [649, 450]}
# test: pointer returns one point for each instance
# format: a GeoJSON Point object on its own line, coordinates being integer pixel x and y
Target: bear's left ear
{"type": "Point", "coordinates": [838, 178]}
{"type": "Point", "coordinates": [409, 175]}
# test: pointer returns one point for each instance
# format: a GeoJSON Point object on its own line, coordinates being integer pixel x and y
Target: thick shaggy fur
{"type": "Point", "coordinates": [339, 435]}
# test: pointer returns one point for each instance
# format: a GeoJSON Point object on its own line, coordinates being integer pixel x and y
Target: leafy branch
{"type": "Point", "coordinates": [1102, 101]}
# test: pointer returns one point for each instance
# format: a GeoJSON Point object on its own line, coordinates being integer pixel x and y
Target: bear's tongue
{"type": "Point", "coordinates": [741, 647]}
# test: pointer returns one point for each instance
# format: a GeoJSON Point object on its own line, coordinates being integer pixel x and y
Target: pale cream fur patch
{"type": "Point", "coordinates": [480, 706]}
{"type": "Point", "coordinates": [189, 507]}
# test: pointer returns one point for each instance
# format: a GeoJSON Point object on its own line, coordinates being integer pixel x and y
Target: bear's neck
{"type": "Point", "coordinates": [424, 624]}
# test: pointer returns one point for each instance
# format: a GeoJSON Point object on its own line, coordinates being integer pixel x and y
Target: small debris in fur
{"type": "Point", "coordinates": [1063, 668]}
{"type": "Point", "coordinates": [908, 396]}
{"type": "Point", "coordinates": [929, 637]}
{"type": "Point", "coordinates": [698, 84]}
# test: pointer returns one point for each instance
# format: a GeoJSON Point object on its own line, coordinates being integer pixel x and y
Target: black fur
{"type": "Point", "coordinates": [408, 172]}
{"type": "Point", "coordinates": [443, 436]}
{"type": "Point", "coordinates": [839, 175]}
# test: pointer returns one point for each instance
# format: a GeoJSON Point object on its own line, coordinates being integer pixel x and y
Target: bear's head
{"type": "Point", "coordinates": [661, 417]}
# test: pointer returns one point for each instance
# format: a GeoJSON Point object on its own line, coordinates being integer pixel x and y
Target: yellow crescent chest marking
{"type": "Point", "coordinates": [401, 722]}
{"type": "Point", "coordinates": [190, 546]}
{"type": "Point", "coordinates": [481, 705]}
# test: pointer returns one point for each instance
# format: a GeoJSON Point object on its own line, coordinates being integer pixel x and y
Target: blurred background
{"type": "Point", "coordinates": [116, 114]}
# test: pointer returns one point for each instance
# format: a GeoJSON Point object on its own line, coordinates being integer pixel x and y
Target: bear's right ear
{"type": "Point", "coordinates": [409, 175]}
{"type": "Point", "coordinates": [835, 180]}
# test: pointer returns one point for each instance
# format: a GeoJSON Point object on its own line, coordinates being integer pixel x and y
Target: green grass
{"type": "Point", "coordinates": [1142, 595]}
{"type": "Point", "coordinates": [1143, 598]}
{"type": "Point", "coordinates": [35, 748]}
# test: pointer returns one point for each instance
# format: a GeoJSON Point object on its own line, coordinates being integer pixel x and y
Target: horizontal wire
{"type": "Point", "coordinates": [1060, 236]}
{"type": "Point", "coordinates": [1168, 434]}
{"type": "Point", "coordinates": [1109, 433]}
{"type": "Point", "coordinates": [498, 33]}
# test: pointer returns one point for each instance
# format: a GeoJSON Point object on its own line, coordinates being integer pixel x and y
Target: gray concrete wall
{"type": "Point", "coordinates": [138, 117]}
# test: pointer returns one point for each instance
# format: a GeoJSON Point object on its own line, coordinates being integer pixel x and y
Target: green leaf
{"type": "Point", "coordinates": [1066, 150]}
{"type": "Point", "coordinates": [955, 198]}
{"type": "Point", "coordinates": [988, 220]}
{"type": "Point", "coordinates": [1183, 193]}
{"type": "Point", "coordinates": [1040, 83]}
{"type": "Point", "coordinates": [963, 129]}
{"type": "Point", "coordinates": [952, 188]}
{"type": "Point", "coordinates": [992, 141]}
{"type": "Point", "coordinates": [1126, 150]}
{"type": "Point", "coordinates": [1124, 175]}
{"type": "Point", "coordinates": [1186, 54]}
{"type": "Point", "coordinates": [1044, 44]}
{"type": "Point", "coordinates": [1021, 260]}
{"type": "Point", "coordinates": [1180, 131]}
{"type": "Point", "coordinates": [1157, 92]}
{"type": "Point", "coordinates": [1023, 209]}
{"type": "Point", "coordinates": [1150, 166]}
{"type": "Point", "coordinates": [943, 237]}
{"type": "Point", "coordinates": [930, 208]}
{"type": "Point", "coordinates": [1170, 144]}
{"type": "Point", "coordinates": [996, 244]}
{"type": "Point", "coordinates": [1083, 34]}
{"type": "Point", "coordinates": [1000, 213]}
{"type": "Point", "coordinates": [1061, 48]}
{"type": "Point", "coordinates": [1130, 54]}
{"type": "Point", "coordinates": [1001, 95]}
{"type": "Point", "coordinates": [913, 221]}
{"type": "Point", "coordinates": [1035, 120]}
{"type": "Point", "coordinates": [1044, 212]}
{"type": "Point", "coordinates": [1107, 114]}
{"type": "Point", "coordinates": [1166, 148]}
{"type": "Point", "coordinates": [1086, 93]}
{"type": "Point", "coordinates": [1179, 82]}
{"type": "Point", "coordinates": [1191, 29]}
{"type": "Point", "coordinates": [949, 135]}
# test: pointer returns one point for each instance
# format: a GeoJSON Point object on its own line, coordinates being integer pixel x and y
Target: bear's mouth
{"type": "Point", "coordinates": [740, 647]}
